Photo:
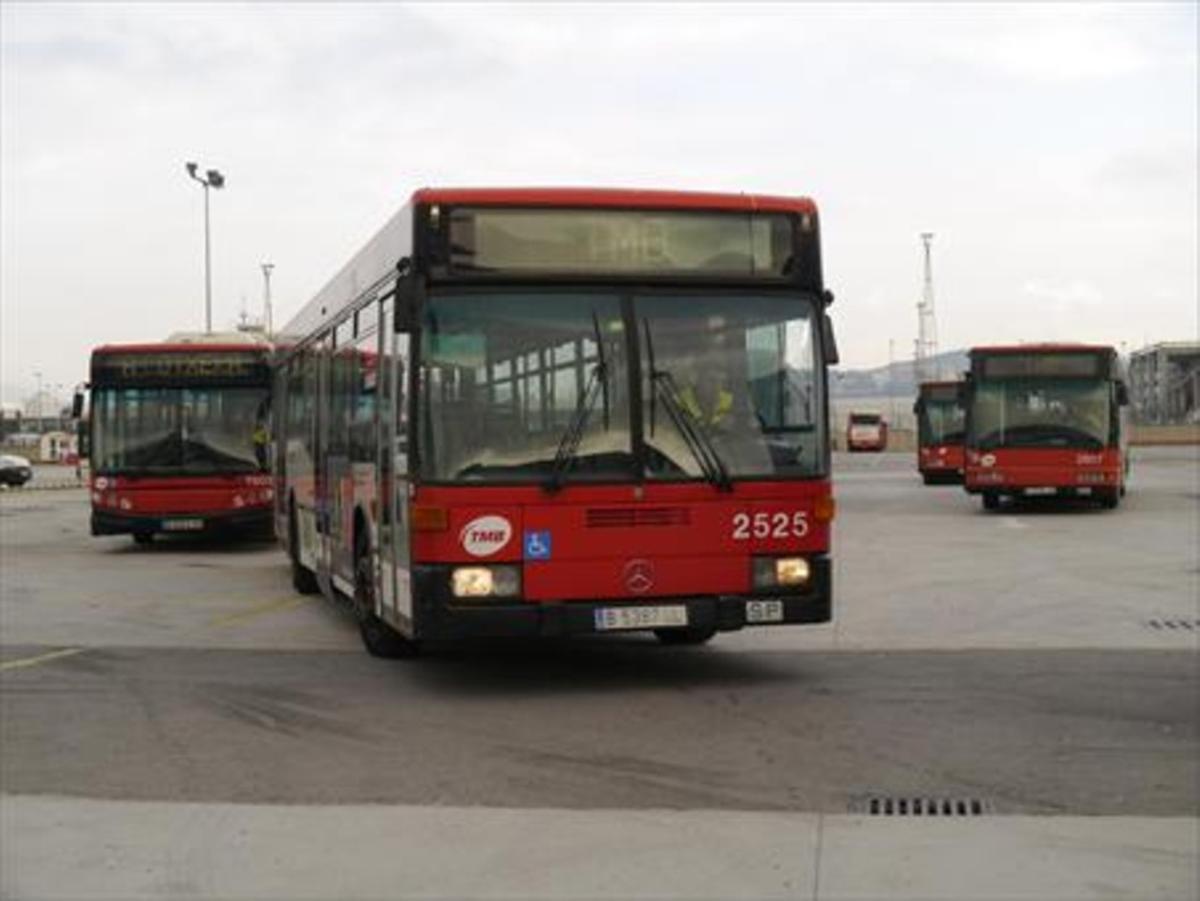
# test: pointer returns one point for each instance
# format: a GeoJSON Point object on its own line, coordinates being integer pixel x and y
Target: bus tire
{"type": "Point", "coordinates": [1110, 500]}
{"type": "Point", "coordinates": [303, 579]}
{"type": "Point", "coordinates": [143, 538]}
{"type": "Point", "coordinates": [692, 635]}
{"type": "Point", "coordinates": [379, 638]}
{"type": "Point", "coordinates": [991, 500]}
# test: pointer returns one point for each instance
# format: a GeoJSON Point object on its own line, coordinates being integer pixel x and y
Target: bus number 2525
{"type": "Point", "coordinates": [770, 525]}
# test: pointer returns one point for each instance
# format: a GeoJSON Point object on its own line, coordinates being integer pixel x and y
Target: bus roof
{"type": "Point", "coordinates": [172, 348]}
{"type": "Point", "coordinates": [635, 198]}
{"type": "Point", "coordinates": [1048, 347]}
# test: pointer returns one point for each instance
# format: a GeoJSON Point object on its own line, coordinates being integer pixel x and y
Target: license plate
{"type": "Point", "coordinates": [182, 525]}
{"type": "Point", "coordinates": [764, 611]}
{"type": "Point", "coordinates": [609, 618]}
{"type": "Point", "coordinates": [1040, 492]}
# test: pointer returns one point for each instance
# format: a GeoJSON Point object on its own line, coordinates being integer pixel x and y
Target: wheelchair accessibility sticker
{"type": "Point", "coordinates": [537, 545]}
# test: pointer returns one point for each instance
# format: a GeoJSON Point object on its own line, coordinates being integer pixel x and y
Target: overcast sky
{"type": "Point", "coordinates": [1052, 149]}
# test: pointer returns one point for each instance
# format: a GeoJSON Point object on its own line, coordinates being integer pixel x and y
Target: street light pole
{"type": "Point", "coordinates": [211, 179]}
{"type": "Point", "coordinates": [266, 271]}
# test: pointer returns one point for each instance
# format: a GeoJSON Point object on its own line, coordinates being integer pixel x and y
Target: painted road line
{"type": "Point", "coordinates": [260, 610]}
{"type": "Point", "coordinates": [40, 658]}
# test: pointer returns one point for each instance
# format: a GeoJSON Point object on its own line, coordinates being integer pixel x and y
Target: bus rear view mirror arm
{"type": "Point", "coordinates": [829, 340]}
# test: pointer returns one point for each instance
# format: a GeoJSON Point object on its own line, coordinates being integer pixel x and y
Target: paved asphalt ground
{"type": "Point", "coordinates": [175, 722]}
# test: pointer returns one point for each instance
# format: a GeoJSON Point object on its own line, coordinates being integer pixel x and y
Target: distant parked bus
{"type": "Point", "coordinates": [1046, 420]}
{"type": "Point", "coordinates": [866, 432]}
{"type": "Point", "coordinates": [940, 432]}
{"type": "Point", "coordinates": [179, 438]}
{"type": "Point", "coordinates": [540, 412]}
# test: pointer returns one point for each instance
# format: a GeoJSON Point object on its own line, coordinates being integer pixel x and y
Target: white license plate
{"type": "Point", "coordinates": [182, 525]}
{"type": "Point", "coordinates": [764, 611]}
{"type": "Point", "coordinates": [609, 618]}
{"type": "Point", "coordinates": [1039, 492]}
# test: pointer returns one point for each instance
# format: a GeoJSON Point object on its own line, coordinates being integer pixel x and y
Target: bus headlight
{"type": "Point", "coordinates": [485, 581]}
{"type": "Point", "coordinates": [781, 572]}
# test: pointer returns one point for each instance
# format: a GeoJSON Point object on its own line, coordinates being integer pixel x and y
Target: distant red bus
{"type": "Point", "coordinates": [940, 432]}
{"type": "Point", "coordinates": [179, 437]}
{"type": "Point", "coordinates": [547, 412]}
{"type": "Point", "coordinates": [1046, 420]}
{"type": "Point", "coordinates": [866, 432]}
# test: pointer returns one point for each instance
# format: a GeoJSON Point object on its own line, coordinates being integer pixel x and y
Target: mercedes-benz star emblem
{"type": "Point", "coordinates": [639, 576]}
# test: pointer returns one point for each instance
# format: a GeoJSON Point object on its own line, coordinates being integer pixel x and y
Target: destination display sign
{"type": "Point", "coordinates": [1044, 365]}
{"type": "Point", "coordinates": [172, 368]}
{"type": "Point", "coordinates": [584, 242]}
{"type": "Point", "coordinates": [940, 394]}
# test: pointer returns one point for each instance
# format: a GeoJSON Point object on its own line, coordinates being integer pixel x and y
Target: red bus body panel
{"type": "Point", "coordinates": [1008, 468]}
{"type": "Point", "coordinates": [685, 531]}
{"type": "Point", "coordinates": [193, 496]}
{"type": "Point", "coordinates": [935, 459]}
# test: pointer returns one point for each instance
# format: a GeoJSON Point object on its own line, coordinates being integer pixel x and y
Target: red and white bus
{"type": "Point", "coordinates": [866, 432]}
{"type": "Point", "coordinates": [179, 436]}
{"type": "Point", "coordinates": [1046, 420]}
{"type": "Point", "coordinates": [536, 412]}
{"type": "Point", "coordinates": [940, 432]}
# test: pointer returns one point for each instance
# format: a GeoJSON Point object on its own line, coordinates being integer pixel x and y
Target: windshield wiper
{"type": "Point", "coordinates": [697, 441]}
{"type": "Point", "coordinates": [597, 385]}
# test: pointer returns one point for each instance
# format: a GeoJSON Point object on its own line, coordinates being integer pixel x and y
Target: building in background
{"type": "Point", "coordinates": [1164, 383]}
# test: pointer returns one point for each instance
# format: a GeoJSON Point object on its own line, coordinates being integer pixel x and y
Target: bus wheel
{"type": "Point", "coordinates": [303, 579]}
{"type": "Point", "coordinates": [991, 500]}
{"type": "Point", "coordinates": [143, 537]}
{"type": "Point", "coordinates": [1110, 499]}
{"type": "Point", "coordinates": [380, 639]}
{"type": "Point", "coordinates": [691, 635]}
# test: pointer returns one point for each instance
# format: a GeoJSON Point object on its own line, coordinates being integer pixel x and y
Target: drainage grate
{"type": "Point", "coordinates": [1174, 624]}
{"type": "Point", "coordinates": [888, 806]}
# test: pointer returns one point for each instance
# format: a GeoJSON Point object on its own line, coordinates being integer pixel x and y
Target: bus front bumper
{"type": "Point", "coordinates": [440, 617]}
{"type": "Point", "coordinates": [260, 520]}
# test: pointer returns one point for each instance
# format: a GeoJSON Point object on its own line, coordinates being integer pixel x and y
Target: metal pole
{"type": "Point", "coordinates": [266, 271]}
{"type": "Point", "coordinates": [207, 267]}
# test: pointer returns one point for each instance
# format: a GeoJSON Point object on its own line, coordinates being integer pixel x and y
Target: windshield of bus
{"type": "Point", "coordinates": [509, 379]}
{"type": "Point", "coordinates": [1041, 412]}
{"type": "Point", "coordinates": [743, 371]}
{"type": "Point", "coordinates": [941, 421]}
{"type": "Point", "coordinates": [505, 375]}
{"type": "Point", "coordinates": [187, 431]}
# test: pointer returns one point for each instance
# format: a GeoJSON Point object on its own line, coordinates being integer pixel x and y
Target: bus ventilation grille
{"type": "Point", "coordinates": [886, 806]}
{"type": "Point", "coordinates": [628, 517]}
{"type": "Point", "coordinates": [1174, 624]}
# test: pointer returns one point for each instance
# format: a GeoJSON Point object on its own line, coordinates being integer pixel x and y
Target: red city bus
{"type": "Point", "coordinates": [179, 436]}
{"type": "Point", "coordinates": [866, 432]}
{"type": "Point", "coordinates": [940, 424]}
{"type": "Point", "coordinates": [1046, 420]}
{"type": "Point", "coordinates": [536, 412]}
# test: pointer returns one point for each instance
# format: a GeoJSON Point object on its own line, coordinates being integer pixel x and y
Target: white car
{"type": "Point", "coordinates": [14, 470]}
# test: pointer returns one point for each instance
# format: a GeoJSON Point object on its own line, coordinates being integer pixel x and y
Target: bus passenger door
{"type": "Point", "coordinates": [325, 488]}
{"type": "Point", "coordinates": [395, 593]}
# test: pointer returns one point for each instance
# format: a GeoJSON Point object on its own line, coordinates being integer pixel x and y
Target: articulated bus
{"type": "Point", "coordinates": [545, 412]}
{"type": "Point", "coordinates": [1046, 420]}
{"type": "Point", "coordinates": [179, 438]}
{"type": "Point", "coordinates": [940, 432]}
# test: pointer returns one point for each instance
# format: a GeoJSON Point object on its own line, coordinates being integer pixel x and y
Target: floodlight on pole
{"type": "Point", "coordinates": [211, 179]}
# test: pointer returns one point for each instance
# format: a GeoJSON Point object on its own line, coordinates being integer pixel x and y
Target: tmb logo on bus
{"type": "Point", "coordinates": [485, 535]}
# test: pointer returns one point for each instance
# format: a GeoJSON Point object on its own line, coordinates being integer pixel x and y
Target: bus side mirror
{"type": "Point", "coordinates": [1122, 395]}
{"type": "Point", "coordinates": [83, 439]}
{"type": "Point", "coordinates": [77, 405]}
{"type": "Point", "coordinates": [408, 301]}
{"type": "Point", "coordinates": [829, 340]}
{"type": "Point", "coordinates": [916, 408]}
{"type": "Point", "coordinates": [960, 391]}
